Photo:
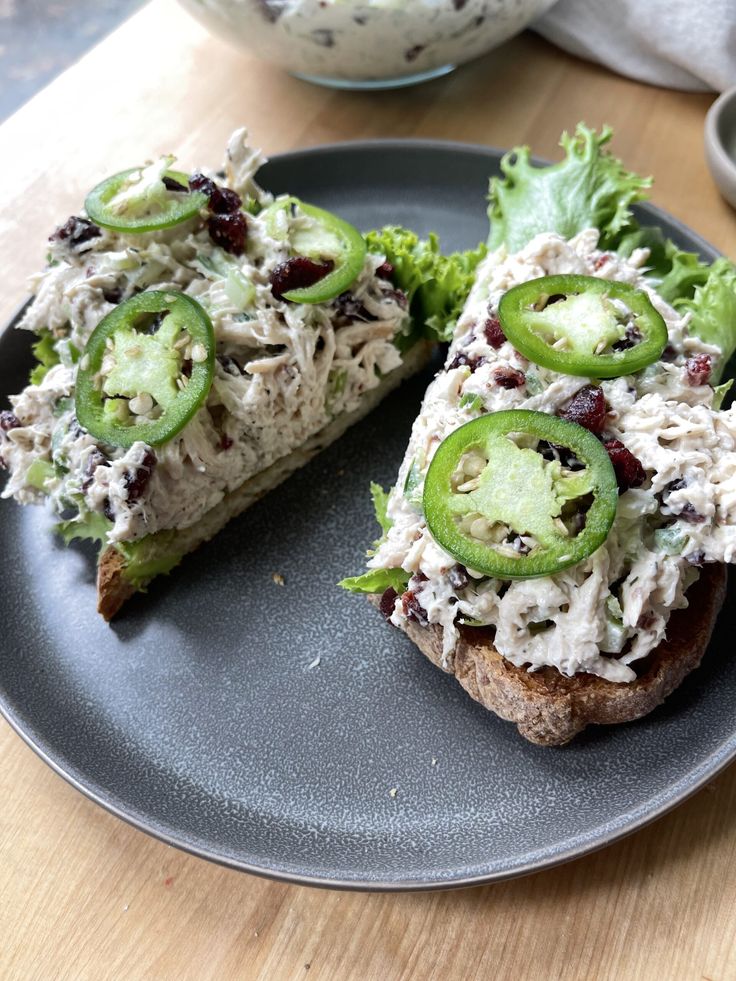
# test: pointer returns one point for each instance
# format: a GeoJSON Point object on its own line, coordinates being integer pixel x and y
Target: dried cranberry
{"type": "Point", "coordinates": [296, 274]}
{"type": "Point", "coordinates": [690, 515]}
{"type": "Point", "coordinates": [173, 185]}
{"type": "Point", "coordinates": [413, 609]}
{"type": "Point", "coordinates": [698, 369]}
{"type": "Point", "coordinates": [587, 408]}
{"type": "Point", "coordinates": [388, 601]}
{"type": "Point", "coordinates": [629, 471]}
{"type": "Point", "coordinates": [228, 231]}
{"type": "Point", "coordinates": [226, 442]}
{"type": "Point", "coordinates": [9, 420]}
{"type": "Point", "coordinates": [414, 52]}
{"type": "Point", "coordinates": [494, 332]}
{"type": "Point", "coordinates": [220, 200]}
{"type": "Point", "coordinates": [462, 359]}
{"type": "Point", "coordinates": [223, 201]}
{"type": "Point", "coordinates": [385, 271]}
{"type": "Point", "coordinates": [630, 338]}
{"type": "Point", "coordinates": [508, 377]}
{"type": "Point", "coordinates": [601, 261]}
{"type": "Point", "coordinates": [136, 481]}
{"type": "Point", "coordinates": [458, 576]}
{"type": "Point", "coordinates": [198, 182]}
{"type": "Point", "coordinates": [76, 230]}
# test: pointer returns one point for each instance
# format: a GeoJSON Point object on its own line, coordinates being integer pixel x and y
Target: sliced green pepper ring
{"type": "Point", "coordinates": [146, 369]}
{"type": "Point", "coordinates": [325, 238]}
{"type": "Point", "coordinates": [582, 325]}
{"type": "Point", "coordinates": [127, 205]}
{"type": "Point", "coordinates": [500, 508]}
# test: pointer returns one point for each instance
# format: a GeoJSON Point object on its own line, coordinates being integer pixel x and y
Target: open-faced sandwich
{"type": "Point", "coordinates": [570, 481]}
{"type": "Point", "coordinates": [198, 340]}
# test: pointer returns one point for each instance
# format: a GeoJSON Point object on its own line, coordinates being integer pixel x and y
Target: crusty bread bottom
{"type": "Point", "coordinates": [550, 709]}
{"type": "Point", "coordinates": [113, 588]}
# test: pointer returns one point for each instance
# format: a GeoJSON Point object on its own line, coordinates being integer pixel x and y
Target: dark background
{"type": "Point", "coordinates": [40, 38]}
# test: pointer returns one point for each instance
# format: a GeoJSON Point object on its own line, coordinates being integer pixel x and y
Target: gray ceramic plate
{"type": "Point", "coordinates": [202, 715]}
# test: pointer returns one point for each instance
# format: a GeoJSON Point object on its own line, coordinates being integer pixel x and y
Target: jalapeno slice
{"type": "Point", "coordinates": [582, 325]}
{"type": "Point", "coordinates": [494, 502]}
{"type": "Point", "coordinates": [139, 200]}
{"type": "Point", "coordinates": [146, 369]}
{"type": "Point", "coordinates": [321, 237]}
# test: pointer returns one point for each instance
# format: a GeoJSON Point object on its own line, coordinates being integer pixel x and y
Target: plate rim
{"type": "Point", "coordinates": [708, 770]}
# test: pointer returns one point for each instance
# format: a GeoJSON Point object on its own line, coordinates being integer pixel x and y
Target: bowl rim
{"type": "Point", "coordinates": [713, 136]}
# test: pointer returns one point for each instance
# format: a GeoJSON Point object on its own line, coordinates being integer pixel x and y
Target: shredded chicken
{"type": "Point", "coordinates": [612, 609]}
{"type": "Point", "coordinates": [283, 370]}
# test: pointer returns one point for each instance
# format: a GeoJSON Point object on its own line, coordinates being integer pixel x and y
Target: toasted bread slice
{"type": "Point", "coordinates": [114, 587]}
{"type": "Point", "coordinates": [549, 708]}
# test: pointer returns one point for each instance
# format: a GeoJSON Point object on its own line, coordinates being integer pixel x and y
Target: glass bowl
{"type": "Point", "coordinates": [366, 44]}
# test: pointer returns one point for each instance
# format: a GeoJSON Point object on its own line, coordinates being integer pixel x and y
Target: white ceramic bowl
{"type": "Point", "coordinates": [720, 144]}
{"type": "Point", "coordinates": [366, 43]}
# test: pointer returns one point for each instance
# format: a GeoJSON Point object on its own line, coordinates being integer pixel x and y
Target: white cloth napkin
{"type": "Point", "coordinates": [680, 44]}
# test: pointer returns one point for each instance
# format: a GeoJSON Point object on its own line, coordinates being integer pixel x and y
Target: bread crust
{"type": "Point", "coordinates": [113, 588]}
{"type": "Point", "coordinates": [549, 709]}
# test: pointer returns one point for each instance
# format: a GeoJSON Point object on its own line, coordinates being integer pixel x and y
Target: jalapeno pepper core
{"type": "Point", "coordinates": [513, 516]}
{"type": "Point", "coordinates": [583, 325]}
{"type": "Point", "coordinates": [323, 237]}
{"type": "Point", "coordinates": [137, 200]}
{"type": "Point", "coordinates": [146, 369]}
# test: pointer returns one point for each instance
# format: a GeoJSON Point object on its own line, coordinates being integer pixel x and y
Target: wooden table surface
{"type": "Point", "coordinates": [82, 895]}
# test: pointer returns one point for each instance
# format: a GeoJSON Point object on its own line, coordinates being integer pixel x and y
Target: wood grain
{"type": "Point", "coordinates": [84, 896]}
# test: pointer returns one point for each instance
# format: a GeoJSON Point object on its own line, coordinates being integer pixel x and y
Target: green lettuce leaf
{"type": "Point", "coordinates": [705, 290]}
{"type": "Point", "coordinates": [380, 504]}
{"type": "Point", "coordinates": [46, 354]}
{"type": "Point", "coordinates": [589, 188]}
{"type": "Point", "coordinates": [720, 392]}
{"type": "Point", "coordinates": [436, 285]}
{"type": "Point", "coordinates": [154, 555]}
{"type": "Point", "coordinates": [713, 310]}
{"type": "Point", "coordinates": [145, 559]}
{"type": "Point", "coordinates": [377, 581]}
{"type": "Point", "coordinates": [87, 525]}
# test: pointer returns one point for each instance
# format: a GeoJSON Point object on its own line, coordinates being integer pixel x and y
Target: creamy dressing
{"type": "Point", "coordinates": [283, 370]}
{"type": "Point", "coordinates": [612, 609]}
